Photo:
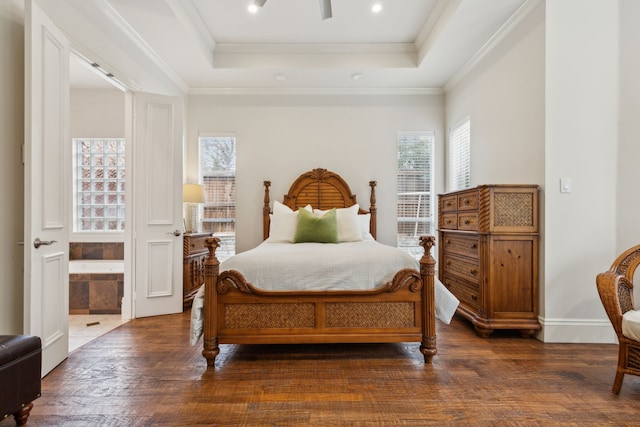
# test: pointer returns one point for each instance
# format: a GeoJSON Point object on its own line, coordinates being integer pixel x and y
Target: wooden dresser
{"type": "Point", "coordinates": [488, 255]}
{"type": "Point", "coordinates": [194, 253]}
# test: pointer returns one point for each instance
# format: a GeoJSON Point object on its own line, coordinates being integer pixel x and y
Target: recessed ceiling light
{"type": "Point", "coordinates": [252, 8]}
{"type": "Point", "coordinates": [357, 76]}
{"type": "Point", "coordinates": [280, 77]}
{"type": "Point", "coordinates": [376, 8]}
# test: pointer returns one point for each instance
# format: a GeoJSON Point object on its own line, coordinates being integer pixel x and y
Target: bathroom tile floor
{"type": "Point", "coordinates": [82, 327]}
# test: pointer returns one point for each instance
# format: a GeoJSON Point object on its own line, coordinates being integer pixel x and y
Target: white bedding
{"type": "Point", "coordinates": [359, 265]}
{"type": "Point", "coordinates": [320, 266]}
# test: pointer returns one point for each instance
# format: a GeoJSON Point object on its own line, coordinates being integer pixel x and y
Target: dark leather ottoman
{"type": "Point", "coordinates": [20, 366]}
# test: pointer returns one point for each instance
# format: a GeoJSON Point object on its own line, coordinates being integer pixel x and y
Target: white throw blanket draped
{"type": "Point", "coordinates": [317, 267]}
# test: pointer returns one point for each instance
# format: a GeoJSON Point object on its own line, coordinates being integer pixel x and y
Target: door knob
{"type": "Point", "coordinates": [37, 243]}
{"type": "Point", "coordinates": [176, 233]}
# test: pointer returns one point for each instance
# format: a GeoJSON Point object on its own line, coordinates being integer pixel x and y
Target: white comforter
{"type": "Point", "coordinates": [317, 267]}
{"type": "Point", "coordinates": [320, 266]}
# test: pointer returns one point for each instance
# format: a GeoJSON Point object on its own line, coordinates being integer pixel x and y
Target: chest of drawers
{"type": "Point", "coordinates": [488, 255]}
{"type": "Point", "coordinates": [194, 254]}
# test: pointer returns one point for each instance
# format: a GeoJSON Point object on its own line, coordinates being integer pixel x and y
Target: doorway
{"type": "Point", "coordinates": [97, 235]}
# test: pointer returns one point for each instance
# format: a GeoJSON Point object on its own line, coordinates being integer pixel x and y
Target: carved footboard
{"type": "Point", "coordinates": [403, 310]}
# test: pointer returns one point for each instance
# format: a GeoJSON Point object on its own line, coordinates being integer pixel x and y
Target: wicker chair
{"type": "Point", "coordinates": [615, 288]}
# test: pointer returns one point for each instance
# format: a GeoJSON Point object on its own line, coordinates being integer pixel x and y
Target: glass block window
{"type": "Point", "coordinates": [99, 180]}
{"type": "Point", "coordinates": [218, 176]}
{"type": "Point", "coordinates": [415, 190]}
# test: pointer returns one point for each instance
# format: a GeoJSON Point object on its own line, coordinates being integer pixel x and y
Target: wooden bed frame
{"type": "Point", "coordinates": [403, 310]}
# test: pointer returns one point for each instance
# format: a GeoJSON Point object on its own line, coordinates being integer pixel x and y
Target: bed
{"type": "Point", "coordinates": [236, 311]}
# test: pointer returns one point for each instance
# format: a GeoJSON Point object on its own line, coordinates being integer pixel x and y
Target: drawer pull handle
{"type": "Point", "coordinates": [448, 242]}
{"type": "Point", "coordinates": [474, 246]}
{"type": "Point", "coordinates": [474, 272]}
{"type": "Point", "coordinates": [448, 221]}
{"type": "Point", "coordinates": [467, 222]}
{"type": "Point", "coordinates": [474, 297]}
{"type": "Point", "coordinates": [466, 201]}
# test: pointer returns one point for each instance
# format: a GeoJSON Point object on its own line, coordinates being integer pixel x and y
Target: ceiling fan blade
{"type": "Point", "coordinates": [325, 9]}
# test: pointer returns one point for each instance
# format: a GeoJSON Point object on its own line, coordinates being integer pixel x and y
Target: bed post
{"type": "Point", "coordinates": [373, 221]}
{"type": "Point", "coordinates": [427, 271]}
{"type": "Point", "coordinates": [211, 271]}
{"type": "Point", "coordinates": [266, 211]}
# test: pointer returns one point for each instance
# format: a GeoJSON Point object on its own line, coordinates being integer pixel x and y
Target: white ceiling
{"type": "Point", "coordinates": [208, 46]}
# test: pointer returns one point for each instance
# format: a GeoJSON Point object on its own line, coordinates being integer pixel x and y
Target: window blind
{"type": "Point", "coordinates": [460, 155]}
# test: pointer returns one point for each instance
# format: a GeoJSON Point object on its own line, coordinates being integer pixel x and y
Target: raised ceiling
{"type": "Point", "coordinates": [212, 46]}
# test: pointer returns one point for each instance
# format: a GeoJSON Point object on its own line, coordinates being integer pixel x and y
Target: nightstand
{"type": "Point", "coordinates": [194, 254]}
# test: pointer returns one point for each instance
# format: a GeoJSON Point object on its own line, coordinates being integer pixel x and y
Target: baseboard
{"type": "Point", "coordinates": [579, 331]}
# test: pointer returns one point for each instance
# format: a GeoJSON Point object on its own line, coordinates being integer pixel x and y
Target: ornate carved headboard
{"type": "Point", "coordinates": [322, 189]}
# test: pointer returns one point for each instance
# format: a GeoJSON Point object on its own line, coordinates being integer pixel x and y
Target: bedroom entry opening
{"type": "Point", "coordinates": [217, 161]}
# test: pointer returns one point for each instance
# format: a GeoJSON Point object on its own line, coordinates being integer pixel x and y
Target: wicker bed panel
{"type": "Point", "coordinates": [370, 315]}
{"type": "Point", "coordinates": [250, 316]}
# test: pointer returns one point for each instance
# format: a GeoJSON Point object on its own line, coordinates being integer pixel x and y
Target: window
{"type": "Point", "coordinates": [460, 155]}
{"type": "Point", "coordinates": [218, 176]}
{"type": "Point", "coordinates": [415, 189]}
{"type": "Point", "coordinates": [99, 184]}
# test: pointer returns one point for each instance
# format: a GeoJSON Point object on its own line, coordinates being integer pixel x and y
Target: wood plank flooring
{"type": "Point", "coordinates": [144, 373]}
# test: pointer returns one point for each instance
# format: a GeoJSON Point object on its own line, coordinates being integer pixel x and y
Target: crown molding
{"type": "Point", "coordinates": [314, 48]}
{"type": "Point", "coordinates": [316, 91]}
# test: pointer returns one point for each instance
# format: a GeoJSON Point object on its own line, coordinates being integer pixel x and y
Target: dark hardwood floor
{"type": "Point", "coordinates": [144, 373]}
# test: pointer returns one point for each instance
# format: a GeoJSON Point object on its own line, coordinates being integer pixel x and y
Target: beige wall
{"type": "Point", "coordinates": [11, 169]}
{"type": "Point", "coordinates": [279, 137]}
{"type": "Point", "coordinates": [628, 202]}
{"type": "Point", "coordinates": [96, 113]}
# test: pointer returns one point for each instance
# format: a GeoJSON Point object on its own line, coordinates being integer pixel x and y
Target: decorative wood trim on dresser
{"type": "Point", "coordinates": [194, 253]}
{"type": "Point", "coordinates": [488, 255]}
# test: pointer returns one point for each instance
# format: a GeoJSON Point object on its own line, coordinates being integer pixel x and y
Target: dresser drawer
{"type": "Point", "coordinates": [449, 203]}
{"type": "Point", "coordinates": [461, 245]}
{"type": "Point", "coordinates": [468, 201]}
{"type": "Point", "coordinates": [461, 267]}
{"type": "Point", "coordinates": [468, 221]}
{"type": "Point", "coordinates": [466, 292]}
{"type": "Point", "coordinates": [194, 244]}
{"type": "Point", "coordinates": [449, 221]}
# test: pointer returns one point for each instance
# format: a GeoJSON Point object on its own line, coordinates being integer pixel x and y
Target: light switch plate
{"type": "Point", "coordinates": [565, 185]}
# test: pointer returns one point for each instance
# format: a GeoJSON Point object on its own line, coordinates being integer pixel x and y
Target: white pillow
{"type": "Point", "coordinates": [365, 226]}
{"type": "Point", "coordinates": [349, 228]}
{"type": "Point", "coordinates": [283, 222]}
{"type": "Point", "coordinates": [631, 324]}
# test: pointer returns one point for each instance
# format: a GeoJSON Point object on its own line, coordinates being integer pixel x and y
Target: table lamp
{"type": "Point", "coordinates": [192, 196]}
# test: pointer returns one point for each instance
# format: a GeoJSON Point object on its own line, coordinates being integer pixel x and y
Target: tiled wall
{"type": "Point", "coordinates": [97, 293]}
{"type": "Point", "coordinates": [107, 250]}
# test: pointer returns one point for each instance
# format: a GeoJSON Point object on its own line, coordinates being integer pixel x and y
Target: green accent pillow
{"type": "Point", "coordinates": [311, 228]}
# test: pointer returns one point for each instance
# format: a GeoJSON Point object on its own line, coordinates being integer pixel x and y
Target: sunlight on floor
{"type": "Point", "coordinates": [84, 329]}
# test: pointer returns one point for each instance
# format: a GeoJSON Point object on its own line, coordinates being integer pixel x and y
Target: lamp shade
{"type": "Point", "coordinates": [192, 193]}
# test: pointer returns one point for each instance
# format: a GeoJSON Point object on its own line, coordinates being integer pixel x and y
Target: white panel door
{"type": "Point", "coordinates": [47, 186]}
{"type": "Point", "coordinates": [157, 179]}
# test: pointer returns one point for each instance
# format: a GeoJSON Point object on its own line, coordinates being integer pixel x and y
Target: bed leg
{"type": "Point", "coordinates": [428, 349]}
{"type": "Point", "coordinates": [211, 350]}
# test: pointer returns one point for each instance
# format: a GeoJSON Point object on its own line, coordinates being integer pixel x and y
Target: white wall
{"type": "Point", "coordinates": [11, 169]}
{"type": "Point", "coordinates": [504, 98]}
{"type": "Point", "coordinates": [628, 226]}
{"type": "Point", "coordinates": [96, 113]}
{"type": "Point", "coordinates": [279, 137]}
{"type": "Point", "coordinates": [581, 143]}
